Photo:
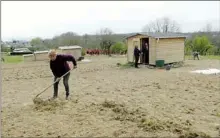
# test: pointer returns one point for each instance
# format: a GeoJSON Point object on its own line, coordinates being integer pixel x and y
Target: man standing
{"type": "Point", "coordinates": [145, 53]}
{"type": "Point", "coordinates": [136, 55]}
{"type": "Point", "coordinates": [59, 66]}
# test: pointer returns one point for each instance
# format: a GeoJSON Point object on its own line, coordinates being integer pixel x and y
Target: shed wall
{"type": "Point", "coordinates": [28, 58]}
{"type": "Point", "coordinates": [130, 50]}
{"type": "Point", "coordinates": [41, 56]}
{"type": "Point", "coordinates": [152, 51]}
{"type": "Point", "coordinates": [75, 52]}
{"type": "Point", "coordinates": [170, 49]}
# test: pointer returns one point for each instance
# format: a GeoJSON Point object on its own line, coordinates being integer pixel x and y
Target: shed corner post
{"type": "Point", "coordinates": [156, 48]}
{"type": "Point", "coordinates": [184, 58]}
{"type": "Point", "coordinates": [127, 49]}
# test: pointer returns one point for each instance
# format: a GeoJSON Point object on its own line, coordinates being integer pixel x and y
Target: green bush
{"type": "Point", "coordinates": [83, 52]}
{"type": "Point", "coordinates": [200, 44]}
{"type": "Point", "coordinates": [118, 48]}
{"type": "Point", "coordinates": [5, 49]}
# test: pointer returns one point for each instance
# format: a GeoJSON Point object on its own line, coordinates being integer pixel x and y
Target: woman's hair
{"type": "Point", "coordinates": [52, 52]}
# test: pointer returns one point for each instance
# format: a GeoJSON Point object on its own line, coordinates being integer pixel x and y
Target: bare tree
{"type": "Point", "coordinates": [164, 25]}
{"type": "Point", "coordinates": [68, 38]}
{"type": "Point", "coordinates": [106, 40]}
{"type": "Point", "coordinates": [85, 39]}
{"type": "Point", "coordinates": [36, 41]}
{"type": "Point", "coordinates": [207, 28]}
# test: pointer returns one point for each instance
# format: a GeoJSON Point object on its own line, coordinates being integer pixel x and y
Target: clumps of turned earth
{"type": "Point", "coordinates": [182, 128]}
{"type": "Point", "coordinates": [194, 135]}
{"type": "Point", "coordinates": [151, 123]}
{"type": "Point", "coordinates": [189, 110]}
{"type": "Point", "coordinates": [121, 112]}
{"type": "Point", "coordinates": [110, 104]}
{"type": "Point", "coordinates": [38, 100]}
{"type": "Point", "coordinates": [47, 105]}
{"type": "Point", "coordinates": [218, 114]}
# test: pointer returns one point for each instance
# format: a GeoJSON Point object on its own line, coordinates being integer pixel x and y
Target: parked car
{"type": "Point", "coordinates": [21, 51]}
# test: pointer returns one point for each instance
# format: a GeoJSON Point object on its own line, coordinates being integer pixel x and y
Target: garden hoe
{"type": "Point", "coordinates": [38, 100]}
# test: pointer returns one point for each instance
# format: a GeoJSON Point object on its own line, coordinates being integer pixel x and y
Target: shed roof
{"type": "Point", "coordinates": [159, 35]}
{"type": "Point", "coordinates": [28, 55]}
{"type": "Point", "coordinates": [41, 52]}
{"type": "Point", "coordinates": [70, 47]}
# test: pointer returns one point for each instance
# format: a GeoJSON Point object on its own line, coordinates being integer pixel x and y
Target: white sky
{"type": "Point", "coordinates": [28, 19]}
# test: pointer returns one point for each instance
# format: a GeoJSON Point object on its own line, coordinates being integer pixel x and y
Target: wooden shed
{"type": "Point", "coordinates": [75, 50]}
{"type": "Point", "coordinates": [41, 55]}
{"type": "Point", "coordinates": [162, 46]}
{"type": "Point", "coordinates": [28, 57]}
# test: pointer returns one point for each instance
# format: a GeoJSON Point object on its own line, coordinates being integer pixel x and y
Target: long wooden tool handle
{"type": "Point", "coordinates": [52, 83]}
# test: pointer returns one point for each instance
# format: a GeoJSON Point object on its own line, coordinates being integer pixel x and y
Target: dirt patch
{"type": "Point", "coordinates": [194, 135]}
{"type": "Point", "coordinates": [47, 105]}
{"type": "Point", "coordinates": [141, 102]}
{"type": "Point", "coordinates": [122, 113]}
{"type": "Point", "coordinates": [150, 124]}
{"type": "Point", "coordinates": [154, 124]}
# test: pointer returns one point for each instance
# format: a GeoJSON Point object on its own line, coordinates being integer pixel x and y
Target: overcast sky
{"type": "Point", "coordinates": [28, 19]}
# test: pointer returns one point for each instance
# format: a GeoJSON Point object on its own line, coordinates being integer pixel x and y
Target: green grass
{"type": "Point", "coordinates": [13, 59]}
{"type": "Point", "coordinates": [126, 65]}
{"type": "Point", "coordinates": [204, 57]}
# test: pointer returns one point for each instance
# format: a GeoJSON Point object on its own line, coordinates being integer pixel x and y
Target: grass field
{"type": "Point", "coordinates": [13, 59]}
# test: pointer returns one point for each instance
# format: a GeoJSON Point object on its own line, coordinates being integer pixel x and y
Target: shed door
{"type": "Point", "coordinates": [140, 48]}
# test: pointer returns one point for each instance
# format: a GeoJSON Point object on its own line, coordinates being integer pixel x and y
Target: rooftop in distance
{"type": "Point", "coordinates": [159, 35]}
{"type": "Point", "coordinates": [70, 47]}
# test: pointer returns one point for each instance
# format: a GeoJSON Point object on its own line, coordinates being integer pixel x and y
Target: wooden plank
{"type": "Point", "coordinates": [130, 50]}
{"type": "Point", "coordinates": [152, 48]}
{"type": "Point", "coordinates": [170, 50]}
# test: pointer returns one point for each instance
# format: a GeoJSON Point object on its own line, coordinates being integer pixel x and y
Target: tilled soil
{"type": "Point", "coordinates": [107, 100]}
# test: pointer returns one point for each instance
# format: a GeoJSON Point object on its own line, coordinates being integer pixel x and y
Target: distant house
{"type": "Point", "coordinates": [37, 56]}
{"type": "Point", "coordinates": [168, 47]}
{"type": "Point", "coordinates": [41, 55]}
{"type": "Point", "coordinates": [75, 50]}
{"type": "Point", "coordinates": [28, 57]}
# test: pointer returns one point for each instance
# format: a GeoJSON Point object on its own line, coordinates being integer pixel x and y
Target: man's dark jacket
{"type": "Point", "coordinates": [137, 52]}
{"type": "Point", "coordinates": [60, 66]}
